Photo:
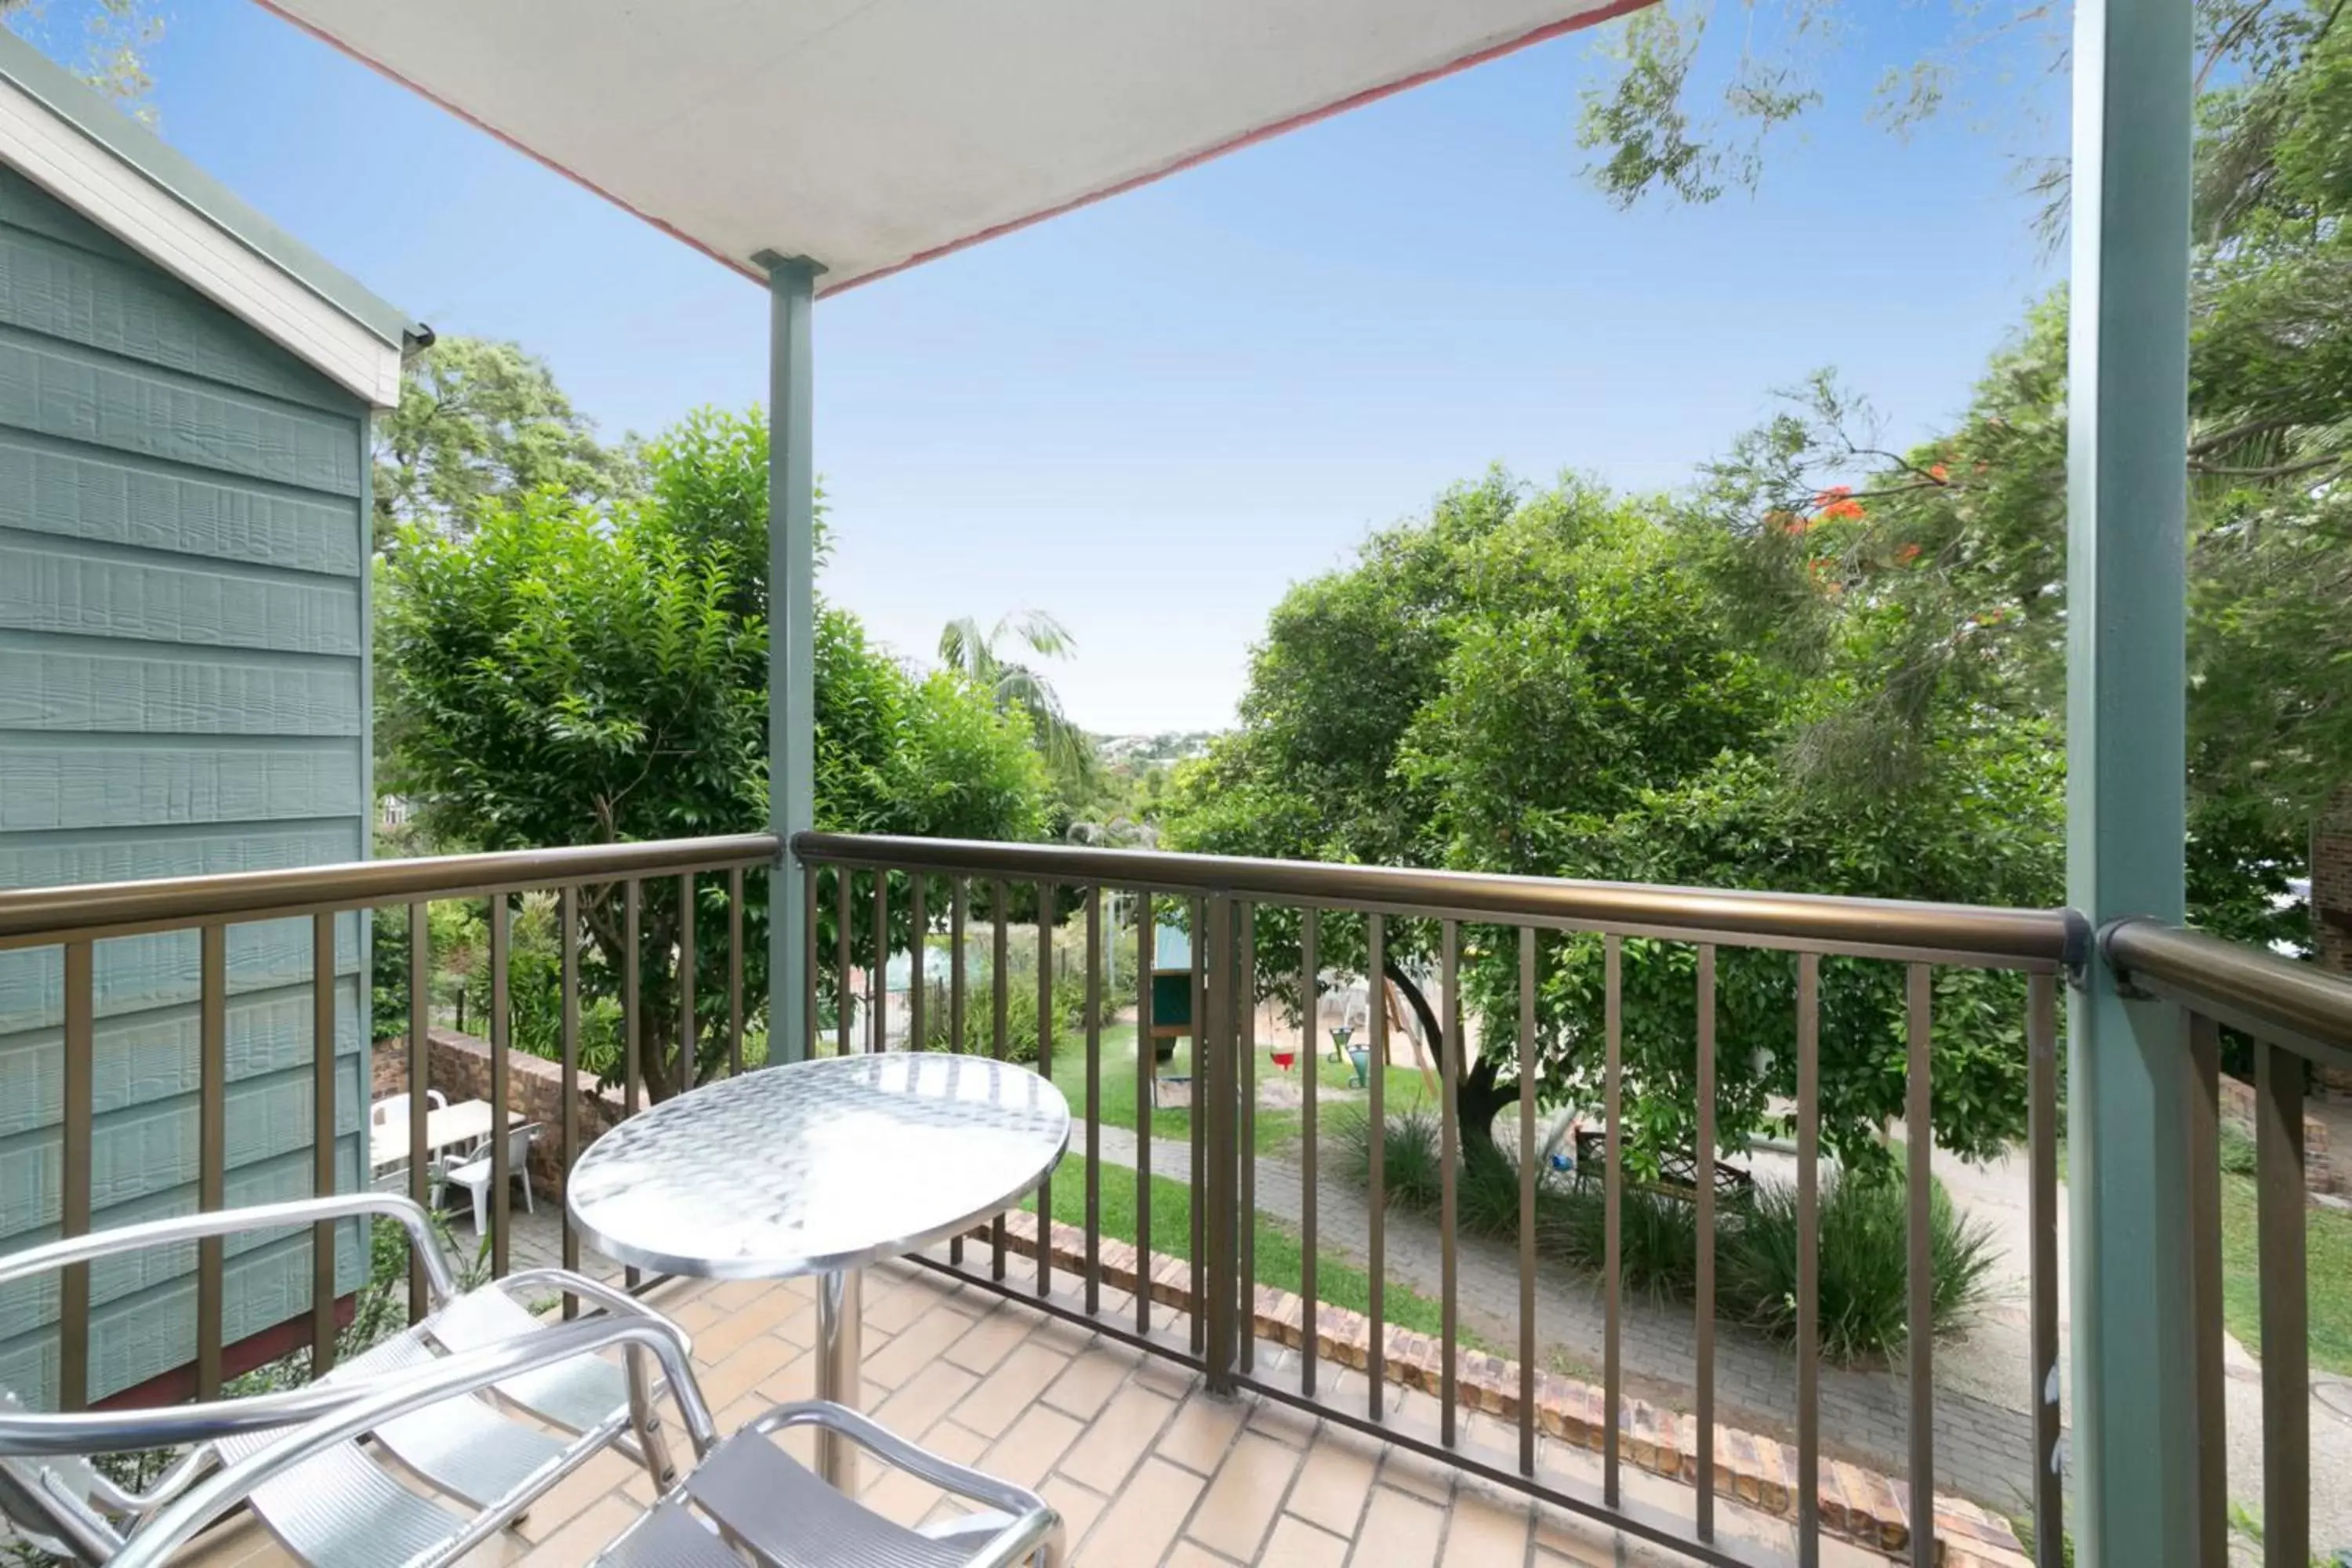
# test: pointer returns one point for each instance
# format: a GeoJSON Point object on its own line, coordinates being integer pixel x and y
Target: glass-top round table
{"type": "Point", "coordinates": [819, 1167]}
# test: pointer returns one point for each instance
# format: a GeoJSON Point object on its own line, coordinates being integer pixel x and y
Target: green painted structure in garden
{"type": "Point", "coordinates": [185, 397]}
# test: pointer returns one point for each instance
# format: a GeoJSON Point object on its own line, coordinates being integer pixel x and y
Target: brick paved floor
{"type": "Point", "coordinates": [1982, 1448]}
{"type": "Point", "coordinates": [1148, 1469]}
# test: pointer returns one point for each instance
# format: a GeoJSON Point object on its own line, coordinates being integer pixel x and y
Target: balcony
{"type": "Point", "coordinates": [1391, 1387]}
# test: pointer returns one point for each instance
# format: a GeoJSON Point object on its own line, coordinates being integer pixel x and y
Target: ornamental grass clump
{"type": "Point", "coordinates": [1861, 1222]}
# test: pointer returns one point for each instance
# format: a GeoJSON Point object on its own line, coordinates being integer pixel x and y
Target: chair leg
{"type": "Point", "coordinates": [530, 1205]}
{"type": "Point", "coordinates": [481, 1210]}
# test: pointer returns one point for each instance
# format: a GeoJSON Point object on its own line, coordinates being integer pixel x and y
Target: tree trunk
{"type": "Point", "coordinates": [1478, 1096]}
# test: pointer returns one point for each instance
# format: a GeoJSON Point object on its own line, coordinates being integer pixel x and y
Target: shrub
{"type": "Point", "coordinates": [2238, 1157]}
{"type": "Point", "coordinates": [1861, 1224]}
{"type": "Point", "coordinates": [1864, 1263]}
{"type": "Point", "coordinates": [1657, 1236]}
{"type": "Point", "coordinates": [1020, 1018]}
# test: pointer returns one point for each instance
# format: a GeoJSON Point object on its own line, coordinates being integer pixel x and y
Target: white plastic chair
{"type": "Point", "coordinates": [473, 1173]}
{"type": "Point", "coordinates": [392, 1109]}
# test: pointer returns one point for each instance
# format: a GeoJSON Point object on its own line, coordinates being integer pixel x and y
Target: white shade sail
{"type": "Point", "coordinates": [868, 135]}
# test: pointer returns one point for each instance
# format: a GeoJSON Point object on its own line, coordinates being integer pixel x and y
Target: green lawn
{"type": "Point", "coordinates": [1338, 1282]}
{"type": "Point", "coordinates": [1276, 1131]}
{"type": "Point", "coordinates": [2329, 1256]}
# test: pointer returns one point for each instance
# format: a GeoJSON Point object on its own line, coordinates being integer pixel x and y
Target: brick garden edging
{"type": "Point", "coordinates": [1858, 1505]}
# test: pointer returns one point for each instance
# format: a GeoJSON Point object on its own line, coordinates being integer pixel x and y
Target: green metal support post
{"type": "Point", "coordinates": [792, 639]}
{"type": "Point", "coordinates": [2134, 1456]}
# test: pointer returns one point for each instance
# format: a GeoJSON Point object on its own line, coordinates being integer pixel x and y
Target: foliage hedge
{"type": "Point", "coordinates": [1861, 1222]}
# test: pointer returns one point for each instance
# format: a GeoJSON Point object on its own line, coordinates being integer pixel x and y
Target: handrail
{"type": "Point", "coordinates": [2295, 1005]}
{"type": "Point", "coordinates": [42, 916]}
{"type": "Point", "coordinates": [2035, 937]}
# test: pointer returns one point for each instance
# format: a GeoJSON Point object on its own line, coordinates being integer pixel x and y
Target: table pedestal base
{"type": "Point", "coordinates": [840, 1350]}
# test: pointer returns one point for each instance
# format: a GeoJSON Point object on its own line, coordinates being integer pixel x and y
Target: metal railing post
{"type": "Point", "coordinates": [792, 649]}
{"type": "Point", "coordinates": [1212, 1086]}
{"type": "Point", "coordinates": [2133, 1457]}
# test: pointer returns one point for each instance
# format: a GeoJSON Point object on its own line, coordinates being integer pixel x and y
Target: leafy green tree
{"type": "Point", "coordinates": [480, 422]}
{"type": "Point", "coordinates": [581, 672]}
{"type": "Point", "coordinates": [110, 41]}
{"type": "Point", "coordinates": [1549, 684]}
{"type": "Point", "coordinates": [987, 657]}
{"type": "Point", "coordinates": [1691, 93]}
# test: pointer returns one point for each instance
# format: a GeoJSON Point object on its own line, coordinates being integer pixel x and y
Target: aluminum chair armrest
{"type": "Point", "coordinates": [47, 1436]}
{"type": "Point", "coordinates": [452, 1377]}
{"type": "Point", "coordinates": [1032, 1525]}
{"type": "Point", "coordinates": [54, 1254]}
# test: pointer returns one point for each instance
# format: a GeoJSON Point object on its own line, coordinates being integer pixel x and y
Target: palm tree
{"type": "Point", "coordinates": [981, 658]}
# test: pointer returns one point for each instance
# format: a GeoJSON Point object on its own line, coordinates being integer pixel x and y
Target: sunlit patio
{"type": "Point", "coordinates": [1145, 1465]}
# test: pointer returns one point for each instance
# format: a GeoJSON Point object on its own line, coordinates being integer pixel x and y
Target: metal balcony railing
{"type": "Point", "coordinates": [2294, 1015]}
{"type": "Point", "coordinates": [1223, 900]}
{"type": "Point", "coordinates": [892, 896]}
{"type": "Point", "coordinates": [78, 918]}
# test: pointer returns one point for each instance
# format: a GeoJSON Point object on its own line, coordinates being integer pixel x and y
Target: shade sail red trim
{"type": "Point", "coordinates": [1549, 30]}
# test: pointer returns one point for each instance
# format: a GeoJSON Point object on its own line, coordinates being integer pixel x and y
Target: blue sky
{"type": "Point", "coordinates": [1152, 415]}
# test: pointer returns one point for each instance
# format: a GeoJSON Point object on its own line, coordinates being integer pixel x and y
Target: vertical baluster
{"type": "Point", "coordinates": [212, 1148]}
{"type": "Point", "coordinates": [1376, 1020]}
{"type": "Point", "coordinates": [1045, 1071]}
{"type": "Point", "coordinates": [1310, 1063]}
{"type": "Point", "coordinates": [955, 1000]}
{"type": "Point", "coordinates": [841, 900]}
{"type": "Point", "coordinates": [2042, 1141]}
{"type": "Point", "coordinates": [1094, 1103]}
{"type": "Point", "coordinates": [420, 1006]}
{"type": "Point", "coordinates": [322, 1140]}
{"type": "Point", "coordinates": [632, 1044]}
{"type": "Point", "coordinates": [632, 916]}
{"type": "Point", "coordinates": [78, 1110]}
{"type": "Point", "coordinates": [1197, 1121]}
{"type": "Point", "coordinates": [735, 978]}
{"type": "Point", "coordinates": [501, 1038]}
{"type": "Point", "coordinates": [1808, 1260]}
{"type": "Point", "coordinates": [2204, 1156]}
{"type": "Point", "coordinates": [1213, 1093]}
{"type": "Point", "coordinates": [1244, 1047]}
{"type": "Point", "coordinates": [1000, 995]}
{"type": "Point", "coordinates": [805, 1047]}
{"type": "Point", "coordinates": [1704, 1196]}
{"type": "Point", "coordinates": [879, 1029]}
{"type": "Point", "coordinates": [567, 926]}
{"type": "Point", "coordinates": [1918, 1127]}
{"type": "Point", "coordinates": [2285, 1309]}
{"type": "Point", "coordinates": [1147, 1103]}
{"type": "Point", "coordinates": [689, 1032]}
{"type": "Point", "coordinates": [1528, 1160]}
{"type": "Point", "coordinates": [1613, 1181]}
{"type": "Point", "coordinates": [1449, 1194]}
{"type": "Point", "coordinates": [919, 917]}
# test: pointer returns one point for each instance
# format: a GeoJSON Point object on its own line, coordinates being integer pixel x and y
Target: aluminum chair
{"type": "Point", "coordinates": [745, 1502]}
{"type": "Point", "coordinates": [345, 1508]}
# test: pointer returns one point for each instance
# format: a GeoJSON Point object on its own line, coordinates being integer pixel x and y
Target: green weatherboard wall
{"type": "Point", "coordinates": [184, 688]}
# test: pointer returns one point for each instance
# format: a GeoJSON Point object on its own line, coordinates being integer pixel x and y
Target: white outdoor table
{"type": "Point", "coordinates": [446, 1127]}
{"type": "Point", "coordinates": [819, 1167]}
